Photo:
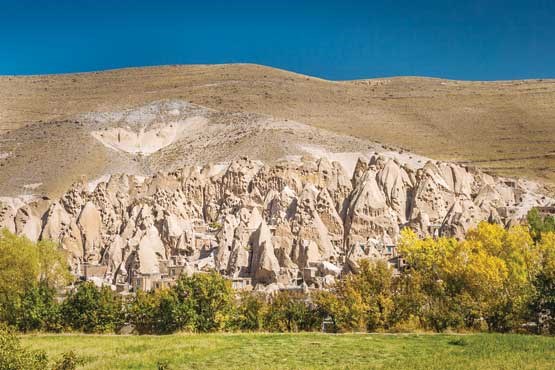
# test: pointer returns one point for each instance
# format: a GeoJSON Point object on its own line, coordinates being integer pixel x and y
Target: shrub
{"type": "Point", "coordinates": [68, 361]}
{"type": "Point", "coordinates": [542, 304]}
{"type": "Point", "coordinates": [143, 312]}
{"type": "Point", "coordinates": [14, 357]}
{"type": "Point", "coordinates": [163, 365]}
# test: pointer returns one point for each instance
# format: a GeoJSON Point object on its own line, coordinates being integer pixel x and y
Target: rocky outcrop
{"type": "Point", "coordinates": [275, 224]}
{"type": "Point", "coordinates": [265, 266]}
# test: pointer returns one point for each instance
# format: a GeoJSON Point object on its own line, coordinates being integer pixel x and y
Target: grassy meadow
{"type": "Point", "coordinates": [303, 351]}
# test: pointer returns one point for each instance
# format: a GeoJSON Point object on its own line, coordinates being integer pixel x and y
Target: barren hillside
{"type": "Point", "coordinates": [506, 127]}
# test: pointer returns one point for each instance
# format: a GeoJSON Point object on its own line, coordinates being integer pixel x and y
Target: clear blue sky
{"type": "Point", "coordinates": [347, 39]}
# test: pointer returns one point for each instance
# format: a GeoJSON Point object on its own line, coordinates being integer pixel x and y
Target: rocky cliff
{"type": "Point", "coordinates": [265, 222]}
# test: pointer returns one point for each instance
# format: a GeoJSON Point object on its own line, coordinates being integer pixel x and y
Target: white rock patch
{"type": "Point", "coordinates": [149, 141]}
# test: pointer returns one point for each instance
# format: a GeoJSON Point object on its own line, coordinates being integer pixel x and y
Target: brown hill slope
{"type": "Point", "coordinates": [503, 126]}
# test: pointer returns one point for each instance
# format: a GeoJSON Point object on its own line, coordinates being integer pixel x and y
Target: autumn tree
{"type": "Point", "coordinates": [362, 301]}
{"type": "Point", "coordinates": [487, 276]}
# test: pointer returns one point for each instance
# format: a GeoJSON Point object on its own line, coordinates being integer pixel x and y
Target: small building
{"type": "Point", "coordinates": [164, 282]}
{"type": "Point", "coordinates": [390, 251]}
{"type": "Point", "coordinates": [510, 183]}
{"type": "Point", "coordinates": [398, 263]}
{"type": "Point", "coordinates": [175, 271]}
{"type": "Point", "coordinates": [506, 212]}
{"type": "Point", "coordinates": [89, 271]}
{"type": "Point", "coordinates": [435, 230]}
{"type": "Point", "coordinates": [241, 283]}
{"type": "Point", "coordinates": [204, 240]}
{"type": "Point", "coordinates": [309, 274]}
{"type": "Point", "coordinates": [145, 282]}
{"type": "Point", "coordinates": [122, 287]}
{"type": "Point", "coordinates": [163, 266]}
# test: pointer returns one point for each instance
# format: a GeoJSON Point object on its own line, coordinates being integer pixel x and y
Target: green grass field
{"type": "Point", "coordinates": [304, 351]}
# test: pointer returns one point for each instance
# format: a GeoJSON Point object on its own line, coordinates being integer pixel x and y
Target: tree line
{"type": "Point", "coordinates": [496, 279]}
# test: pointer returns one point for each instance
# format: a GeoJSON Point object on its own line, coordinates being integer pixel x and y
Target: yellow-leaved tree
{"type": "Point", "coordinates": [362, 301]}
{"type": "Point", "coordinates": [487, 277]}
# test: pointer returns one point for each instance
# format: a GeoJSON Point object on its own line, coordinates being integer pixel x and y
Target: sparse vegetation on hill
{"type": "Point", "coordinates": [503, 126]}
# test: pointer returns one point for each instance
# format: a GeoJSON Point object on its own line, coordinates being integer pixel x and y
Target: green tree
{"type": "Point", "coordinates": [142, 312]}
{"type": "Point", "coordinates": [38, 310]}
{"type": "Point", "coordinates": [205, 302]}
{"type": "Point", "coordinates": [542, 304]}
{"type": "Point", "coordinates": [174, 314]}
{"type": "Point", "coordinates": [202, 302]}
{"type": "Point", "coordinates": [375, 282]}
{"type": "Point", "coordinates": [250, 311]}
{"type": "Point", "coordinates": [93, 310]}
{"type": "Point", "coordinates": [290, 312]}
{"type": "Point", "coordinates": [19, 271]}
{"type": "Point", "coordinates": [30, 273]}
{"type": "Point", "coordinates": [162, 312]}
{"type": "Point", "coordinates": [539, 225]}
{"type": "Point", "coordinates": [53, 267]}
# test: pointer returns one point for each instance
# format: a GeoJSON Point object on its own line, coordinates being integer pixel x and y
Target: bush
{"type": "Point", "coordinates": [143, 313]}
{"type": "Point", "coordinates": [19, 270]}
{"type": "Point", "coordinates": [14, 357]}
{"type": "Point", "coordinates": [163, 365]}
{"type": "Point", "coordinates": [68, 361]}
{"type": "Point", "coordinates": [542, 304]}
